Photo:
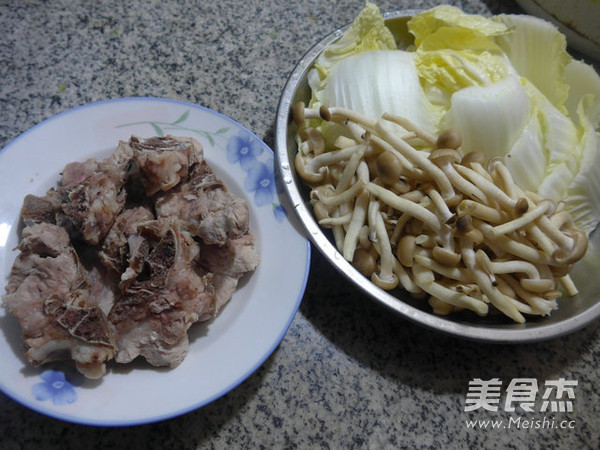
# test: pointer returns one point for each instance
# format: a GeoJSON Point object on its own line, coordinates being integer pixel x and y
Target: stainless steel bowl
{"type": "Point", "coordinates": [573, 313]}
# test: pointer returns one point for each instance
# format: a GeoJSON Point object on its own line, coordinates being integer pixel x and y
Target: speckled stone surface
{"type": "Point", "coordinates": [348, 374]}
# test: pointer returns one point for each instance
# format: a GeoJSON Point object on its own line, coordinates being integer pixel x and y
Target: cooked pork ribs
{"type": "Point", "coordinates": [153, 313]}
{"type": "Point", "coordinates": [125, 254]}
{"type": "Point", "coordinates": [211, 212]}
{"type": "Point", "coordinates": [49, 292]}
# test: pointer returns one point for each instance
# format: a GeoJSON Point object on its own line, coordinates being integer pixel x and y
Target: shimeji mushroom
{"type": "Point", "coordinates": [385, 278]}
{"type": "Point", "coordinates": [438, 223]}
{"type": "Point", "coordinates": [541, 305]}
{"type": "Point", "coordinates": [481, 211]}
{"type": "Point", "coordinates": [516, 248]}
{"type": "Point", "coordinates": [520, 222]}
{"type": "Point", "coordinates": [501, 301]}
{"type": "Point", "coordinates": [425, 279]}
{"type": "Point", "coordinates": [421, 159]}
{"type": "Point", "coordinates": [344, 116]}
{"type": "Point", "coordinates": [315, 142]}
{"type": "Point", "coordinates": [359, 215]}
{"type": "Point", "coordinates": [501, 176]}
{"type": "Point", "coordinates": [300, 113]}
{"type": "Point", "coordinates": [406, 206]}
{"type": "Point", "coordinates": [449, 139]}
{"type": "Point", "coordinates": [388, 168]}
{"type": "Point", "coordinates": [406, 280]}
{"type": "Point", "coordinates": [349, 171]}
{"type": "Point", "coordinates": [517, 206]}
{"type": "Point", "coordinates": [411, 126]}
{"type": "Point", "coordinates": [534, 282]}
{"type": "Point", "coordinates": [440, 205]}
{"type": "Point", "coordinates": [317, 166]}
{"type": "Point", "coordinates": [457, 273]}
{"type": "Point", "coordinates": [408, 168]}
{"type": "Point", "coordinates": [445, 159]}
{"type": "Point", "coordinates": [365, 261]}
{"type": "Point", "coordinates": [405, 250]}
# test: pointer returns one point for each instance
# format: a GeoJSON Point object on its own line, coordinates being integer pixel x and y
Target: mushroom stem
{"type": "Point", "coordinates": [342, 197]}
{"type": "Point", "coordinates": [521, 221]}
{"type": "Point", "coordinates": [320, 162]}
{"type": "Point", "coordinates": [480, 211]}
{"type": "Point", "coordinates": [421, 159]}
{"type": "Point", "coordinates": [357, 221]}
{"type": "Point", "coordinates": [330, 221]}
{"type": "Point", "coordinates": [515, 248]}
{"type": "Point", "coordinates": [314, 140]}
{"type": "Point", "coordinates": [406, 281]}
{"type": "Point", "coordinates": [338, 232]}
{"type": "Point", "coordinates": [425, 279]}
{"type": "Point", "coordinates": [561, 239]}
{"type": "Point", "coordinates": [410, 126]}
{"type": "Point", "coordinates": [343, 115]}
{"type": "Point", "coordinates": [386, 278]}
{"type": "Point", "coordinates": [307, 175]}
{"type": "Point", "coordinates": [406, 206]}
{"type": "Point", "coordinates": [498, 299]}
{"type": "Point", "coordinates": [404, 161]}
{"type": "Point", "coordinates": [350, 170]}
{"type": "Point", "coordinates": [569, 286]}
{"type": "Point", "coordinates": [405, 250]}
{"type": "Point", "coordinates": [399, 228]}
{"type": "Point", "coordinates": [453, 273]}
{"type": "Point", "coordinates": [534, 282]}
{"type": "Point", "coordinates": [541, 305]}
{"type": "Point", "coordinates": [440, 205]}
{"type": "Point", "coordinates": [300, 113]}
{"type": "Point", "coordinates": [460, 183]}
{"type": "Point", "coordinates": [490, 189]}
{"type": "Point", "coordinates": [499, 171]}
{"type": "Point", "coordinates": [541, 240]}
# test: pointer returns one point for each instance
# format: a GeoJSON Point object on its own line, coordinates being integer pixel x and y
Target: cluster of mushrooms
{"type": "Point", "coordinates": [410, 210]}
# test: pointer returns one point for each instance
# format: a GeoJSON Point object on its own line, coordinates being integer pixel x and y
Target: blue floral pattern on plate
{"type": "Point", "coordinates": [55, 387]}
{"type": "Point", "coordinates": [242, 149]}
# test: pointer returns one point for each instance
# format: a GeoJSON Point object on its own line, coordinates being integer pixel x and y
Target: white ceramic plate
{"type": "Point", "coordinates": [224, 352]}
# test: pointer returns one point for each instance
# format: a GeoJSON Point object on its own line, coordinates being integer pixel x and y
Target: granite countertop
{"type": "Point", "coordinates": [348, 373]}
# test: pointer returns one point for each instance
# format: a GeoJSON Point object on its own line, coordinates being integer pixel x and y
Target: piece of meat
{"type": "Point", "coordinates": [93, 192]}
{"type": "Point", "coordinates": [116, 246]}
{"type": "Point", "coordinates": [228, 263]}
{"type": "Point", "coordinates": [205, 205]}
{"type": "Point", "coordinates": [38, 209]}
{"type": "Point", "coordinates": [126, 254]}
{"type": "Point", "coordinates": [153, 314]}
{"type": "Point", "coordinates": [164, 161]}
{"type": "Point", "coordinates": [48, 292]}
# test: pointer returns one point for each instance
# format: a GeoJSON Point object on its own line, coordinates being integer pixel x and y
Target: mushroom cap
{"type": "Point", "coordinates": [539, 286]}
{"type": "Point", "coordinates": [477, 157]}
{"type": "Point", "coordinates": [405, 250]}
{"type": "Point", "coordinates": [315, 139]}
{"type": "Point", "coordinates": [309, 177]}
{"type": "Point", "coordinates": [388, 168]}
{"type": "Point", "coordinates": [385, 283]}
{"type": "Point", "coordinates": [450, 139]}
{"type": "Point", "coordinates": [365, 262]}
{"type": "Point", "coordinates": [445, 257]}
{"type": "Point", "coordinates": [444, 155]}
{"type": "Point", "coordinates": [298, 113]}
{"type": "Point", "coordinates": [324, 113]}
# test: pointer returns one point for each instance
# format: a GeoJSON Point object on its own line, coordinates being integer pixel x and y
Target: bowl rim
{"type": "Point", "coordinates": [501, 334]}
